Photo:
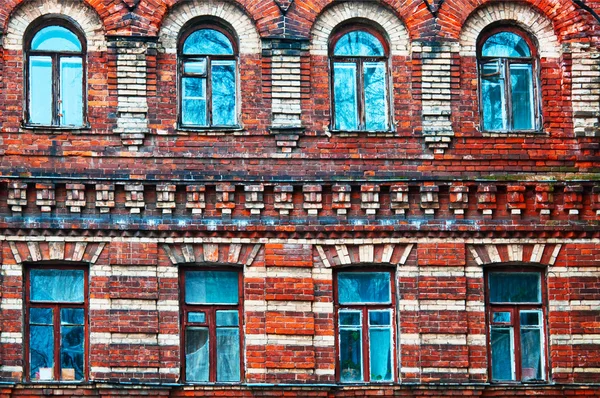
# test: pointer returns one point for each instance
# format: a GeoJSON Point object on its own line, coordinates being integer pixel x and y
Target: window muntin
{"type": "Point", "coordinates": [211, 322]}
{"type": "Point", "coordinates": [364, 302]}
{"type": "Point", "coordinates": [516, 316]}
{"type": "Point", "coordinates": [208, 69]}
{"type": "Point", "coordinates": [56, 327]}
{"type": "Point", "coordinates": [359, 81]}
{"type": "Point", "coordinates": [508, 91]}
{"type": "Point", "coordinates": [55, 83]}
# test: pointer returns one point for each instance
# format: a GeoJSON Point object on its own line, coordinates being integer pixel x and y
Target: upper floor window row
{"type": "Point", "coordinates": [361, 96]}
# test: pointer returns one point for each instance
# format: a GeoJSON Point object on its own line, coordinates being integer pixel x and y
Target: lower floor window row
{"type": "Point", "coordinates": [211, 316]}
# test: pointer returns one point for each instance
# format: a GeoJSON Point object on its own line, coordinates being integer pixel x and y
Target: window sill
{"type": "Point", "coordinates": [182, 130]}
{"type": "Point", "coordinates": [37, 127]}
{"type": "Point", "coordinates": [514, 133]}
{"type": "Point", "coordinates": [368, 133]}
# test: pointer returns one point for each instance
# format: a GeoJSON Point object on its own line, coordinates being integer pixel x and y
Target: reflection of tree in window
{"type": "Point", "coordinates": [208, 79]}
{"type": "Point", "coordinates": [508, 98]}
{"type": "Point", "coordinates": [359, 87]}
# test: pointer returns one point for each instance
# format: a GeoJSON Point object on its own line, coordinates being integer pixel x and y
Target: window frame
{"type": "Point", "coordinates": [364, 309]}
{"type": "Point", "coordinates": [56, 306]}
{"type": "Point", "coordinates": [210, 310]}
{"type": "Point", "coordinates": [359, 61]}
{"type": "Point", "coordinates": [505, 63]}
{"type": "Point", "coordinates": [32, 30]}
{"type": "Point", "coordinates": [182, 58]}
{"type": "Point", "coordinates": [515, 310]}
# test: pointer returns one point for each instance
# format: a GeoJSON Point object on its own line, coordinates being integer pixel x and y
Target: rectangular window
{"type": "Point", "coordinates": [516, 313]}
{"type": "Point", "coordinates": [365, 312]}
{"type": "Point", "coordinates": [56, 313]}
{"type": "Point", "coordinates": [211, 317]}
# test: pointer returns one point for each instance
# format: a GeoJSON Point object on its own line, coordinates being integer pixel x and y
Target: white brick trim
{"type": "Point", "coordinates": [396, 31]}
{"type": "Point", "coordinates": [86, 17]}
{"type": "Point", "coordinates": [249, 39]}
{"type": "Point", "coordinates": [531, 20]}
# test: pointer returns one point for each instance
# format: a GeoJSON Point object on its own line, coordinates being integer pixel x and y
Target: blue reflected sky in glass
{"type": "Point", "coordinates": [358, 43]}
{"type": "Point", "coordinates": [55, 38]}
{"type": "Point", "coordinates": [40, 90]}
{"type": "Point", "coordinates": [71, 91]}
{"type": "Point", "coordinates": [507, 45]}
{"type": "Point", "coordinates": [57, 285]}
{"type": "Point", "coordinates": [207, 42]}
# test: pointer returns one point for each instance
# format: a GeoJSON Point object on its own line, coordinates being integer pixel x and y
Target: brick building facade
{"type": "Point", "coordinates": [306, 198]}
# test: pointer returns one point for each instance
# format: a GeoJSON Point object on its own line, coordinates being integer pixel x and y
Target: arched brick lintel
{"type": "Point", "coordinates": [349, 255]}
{"type": "Point", "coordinates": [181, 13]}
{"type": "Point", "coordinates": [370, 11]}
{"type": "Point", "coordinates": [521, 14]}
{"type": "Point", "coordinates": [79, 11]}
{"type": "Point", "coordinates": [212, 253]}
{"type": "Point", "coordinates": [56, 250]}
{"type": "Point", "coordinates": [542, 254]}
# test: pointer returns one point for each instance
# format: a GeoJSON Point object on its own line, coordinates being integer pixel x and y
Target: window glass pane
{"type": "Point", "coordinates": [193, 101]}
{"type": "Point", "coordinates": [71, 352]}
{"type": "Point", "coordinates": [57, 285]}
{"type": "Point", "coordinates": [359, 43]}
{"type": "Point", "coordinates": [493, 100]}
{"type": "Point", "coordinates": [380, 318]}
{"type": "Point", "coordinates": [505, 44]}
{"type": "Point", "coordinates": [223, 93]}
{"type": "Point", "coordinates": [71, 91]}
{"type": "Point", "coordinates": [530, 318]}
{"type": "Point", "coordinates": [211, 287]}
{"type": "Point", "coordinates": [227, 318]}
{"type": "Point", "coordinates": [376, 113]}
{"type": "Point", "coordinates": [71, 316]}
{"type": "Point", "coordinates": [41, 352]}
{"type": "Point", "coordinates": [380, 344]}
{"type": "Point", "coordinates": [207, 42]}
{"type": "Point", "coordinates": [55, 38]}
{"type": "Point", "coordinates": [196, 354]}
{"type": "Point", "coordinates": [197, 66]}
{"type": "Point", "coordinates": [198, 317]}
{"type": "Point", "coordinates": [228, 354]}
{"type": "Point", "coordinates": [351, 355]}
{"type": "Point", "coordinates": [521, 80]}
{"type": "Point", "coordinates": [364, 287]}
{"type": "Point", "coordinates": [531, 354]}
{"type": "Point", "coordinates": [344, 96]}
{"type": "Point", "coordinates": [501, 317]}
{"type": "Point", "coordinates": [502, 354]}
{"type": "Point", "coordinates": [40, 90]}
{"type": "Point", "coordinates": [350, 318]}
{"type": "Point", "coordinates": [40, 316]}
{"type": "Point", "coordinates": [519, 287]}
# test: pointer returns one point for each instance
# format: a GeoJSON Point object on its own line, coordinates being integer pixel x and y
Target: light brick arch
{"type": "Point", "coordinates": [86, 17]}
{"type": "Point", "coordinates": [56, 249]}
{"type": "Point", "coordinates": [349, 255]}
{"type": "Point", "coordinates": [520, 14]}
{"type": "Point", "coordinates": [543, 254]}
{"type": "Point", "coordinates": [212, 253]}
{"type": "Point", "coordinates": [249, 39]}
{"type": "Point", "coordinates": [339, 13]}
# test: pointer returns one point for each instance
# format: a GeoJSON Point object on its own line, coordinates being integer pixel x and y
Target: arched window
{"type": "Point", "coordinates": [55, 76]}
{"type": "Point", "coordinates": [360, 80]}
{"type": "Point", "coordinates": [508, 84]}
{"type": "Point", "coordinates": [208, 88]}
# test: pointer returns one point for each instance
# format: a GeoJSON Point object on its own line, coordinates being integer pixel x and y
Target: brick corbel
{"type": "Point", "coordinates": [211, 253]}
{"type": "Point", "coordinates": [348, 255]}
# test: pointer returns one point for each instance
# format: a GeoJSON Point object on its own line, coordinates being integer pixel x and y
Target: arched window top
{"type": "Point", "coordinates": [56, 38]}
{"type": "Point", "coordinates": [506, 45]}
{"type": "Point", "coordinates": [207, 41]}
{"type": "Point", "coordinates": [359, 43]}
